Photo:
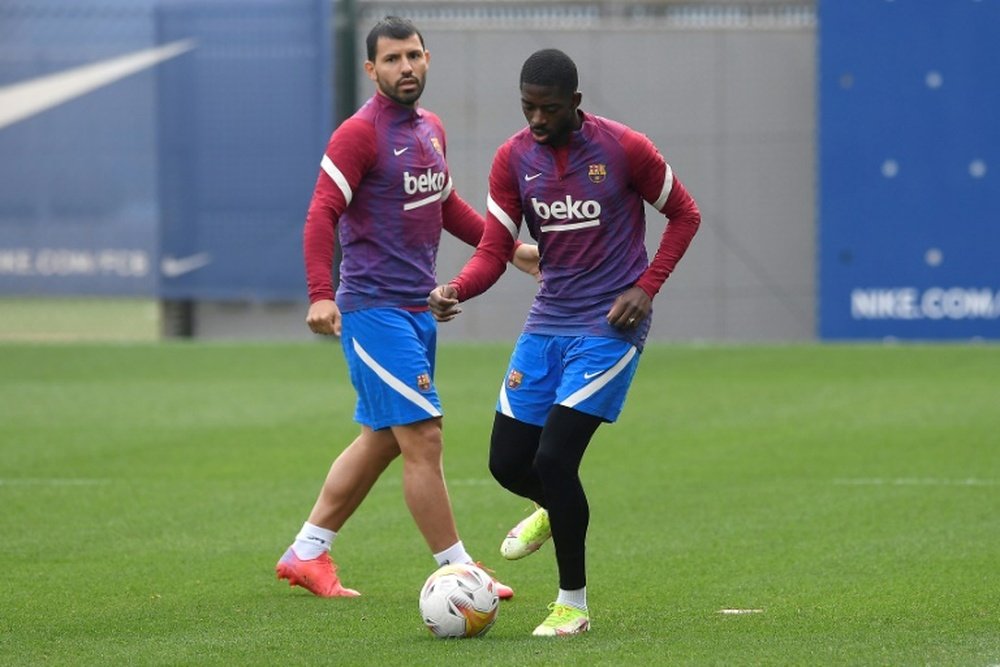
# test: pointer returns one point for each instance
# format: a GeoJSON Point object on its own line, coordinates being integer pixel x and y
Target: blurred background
{"type": "Point", "coordinates": [157, 157]}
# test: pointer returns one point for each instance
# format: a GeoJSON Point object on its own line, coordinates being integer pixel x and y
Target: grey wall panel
{"type": "Point", "coordinates": [733, 111]}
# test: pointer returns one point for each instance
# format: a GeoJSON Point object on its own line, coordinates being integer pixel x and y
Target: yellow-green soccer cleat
{"type": "Point", "coordinates": [564, 620]}
{"type": "Point", "coordinates": [526, 537]}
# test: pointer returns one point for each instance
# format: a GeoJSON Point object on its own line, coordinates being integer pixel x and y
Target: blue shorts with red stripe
{"type": "Point", "coordinates": [587, 373]}
{"type": "Point", "coordinates": [390, 356]}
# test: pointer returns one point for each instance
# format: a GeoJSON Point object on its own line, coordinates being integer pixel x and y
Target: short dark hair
{"type": "Point", "coordinates": [550, 67]}
{"type": "Point", "coordinates": [393, 27]}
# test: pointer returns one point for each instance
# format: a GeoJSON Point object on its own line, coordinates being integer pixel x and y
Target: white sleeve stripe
{"type": "Point", "coordinates": [668, 185]}
{"type": "Point", "coordinates": [501, 215]}
{"type": "Point", "coordinates": [338, 178]}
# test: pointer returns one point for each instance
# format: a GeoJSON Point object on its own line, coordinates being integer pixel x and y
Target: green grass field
{"type": "Point", "coordinates": [78, 319]}
{"type": "Point", "coordinates": [849, 493]}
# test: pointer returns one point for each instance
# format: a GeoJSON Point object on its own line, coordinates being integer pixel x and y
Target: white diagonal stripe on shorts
{"type": "Point", "coordinates": [504, 401]}
{"type": "Point", "coordinates": [406, 392]}
{"type": "Point", "coordinates": [591, 388]}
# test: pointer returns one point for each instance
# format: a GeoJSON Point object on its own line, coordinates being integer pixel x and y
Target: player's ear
{"type": "Point", "coordinates": [370, 69]}
{"type": "Point", "coordinates": [577, 98]}
{"type": "Point", "coordinates": [427, 56]}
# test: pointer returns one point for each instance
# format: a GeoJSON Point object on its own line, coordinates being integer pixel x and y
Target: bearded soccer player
{"type": "Point", "coordinates": [384, 187]}
{"type": "Point", "coordinates": [578, 181]}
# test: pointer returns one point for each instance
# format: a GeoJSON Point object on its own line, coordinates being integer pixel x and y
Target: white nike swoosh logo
{"type": "Point", "coordinates": [531, 178]}
{"type": "Point", "coordinates": [399, 151]}
{"type": "Point", "coordinates": [173, 267]}
{"type": "Point", "coordinates": [23, 100]}
{"type": "Point", "coordinates": [587, 376]}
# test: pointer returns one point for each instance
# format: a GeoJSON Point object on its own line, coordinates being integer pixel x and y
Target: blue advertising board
{"type": "Point", "coordinates": [242, 127]}
{"type": "Point", "coordinates": [78, 210]}
{"type": "Point", "coordinates": [161, 148]}
{"type": "Point", "coordinates": [909, 166]}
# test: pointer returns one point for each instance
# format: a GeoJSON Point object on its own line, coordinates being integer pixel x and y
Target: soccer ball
{"type": "Point", "coordinates": [459, 600]}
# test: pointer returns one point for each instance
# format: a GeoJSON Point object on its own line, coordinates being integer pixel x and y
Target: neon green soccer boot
{"type": "Point", "coordinates": [564, 620]}
{"type": "Point", "coordinates": [526, 537]}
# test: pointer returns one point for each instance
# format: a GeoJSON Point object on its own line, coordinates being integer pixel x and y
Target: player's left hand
{"type": "Point", "coordinates": [526, 259]}
{"type": "Point", "coordinates": [443, 301]}
{"type": "Point", "coordinates": [630, 308]}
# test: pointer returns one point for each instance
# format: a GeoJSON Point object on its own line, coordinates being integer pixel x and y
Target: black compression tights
{"type": "Point", "coordinates": [543, 464]}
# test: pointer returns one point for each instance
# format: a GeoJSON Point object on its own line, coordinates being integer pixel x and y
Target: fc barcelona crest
{"type": "Point", "coordinates": [424, 382]}
{"type": "Point", "coordinates": [597, 172]}
{"type": "Point", "coordinates": [514, 379]}
{"type": "Point", "coordinates": [437, 145]}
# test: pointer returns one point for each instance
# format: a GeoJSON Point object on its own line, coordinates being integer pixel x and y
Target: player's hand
{"type": "Point", "coordinates": [630, 309]}
{"type": "Point", "coordinates": [443, 301]}
{"type": "Point", "coordinates": [324, 317]}
{"type": "Point", "coordinates": [526, 259]}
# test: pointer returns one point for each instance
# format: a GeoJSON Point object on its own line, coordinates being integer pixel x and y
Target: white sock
{"type": "Point", "coordinates": [577, 598]}
{"type": "Point", "coordinates": [456, 553]}
{"type": "Point", "coordinates": [312, 541]}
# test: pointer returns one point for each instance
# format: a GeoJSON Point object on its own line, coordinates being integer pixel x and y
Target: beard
{"type": "Point", "coordinates": [407, 98]}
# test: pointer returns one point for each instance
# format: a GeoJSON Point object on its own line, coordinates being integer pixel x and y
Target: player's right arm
{"type": "Point", "coordinates": [503, 224]}
{"type": "Point", "coordinates": [496, 247]}
{"type": "Point", "coordinates": [349, 156]}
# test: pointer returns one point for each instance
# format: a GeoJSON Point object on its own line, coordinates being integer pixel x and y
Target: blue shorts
{"type": "Point", "coordinates": [586, 373]}
{"type": "Point", "coordinates": [390, 356]}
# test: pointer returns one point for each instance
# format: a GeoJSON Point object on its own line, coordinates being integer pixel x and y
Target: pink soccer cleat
{"type": "Point", "coordinates": [318, 575]}
{"type": "Point", "coordinates": [504, 592]}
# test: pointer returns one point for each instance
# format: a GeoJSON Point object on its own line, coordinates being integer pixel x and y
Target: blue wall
{"type": "Point", "coordinates": [909, 205]}
{"type": "Point", "coordinates": [186, 178]}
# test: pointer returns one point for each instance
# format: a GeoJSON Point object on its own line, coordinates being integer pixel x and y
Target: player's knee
{"type": "Point", "coordinates": [551, 467]}
{"type": "Point", "coordinates": [420, 441]}
{"type": "Point", "coordinates": [506, 470]}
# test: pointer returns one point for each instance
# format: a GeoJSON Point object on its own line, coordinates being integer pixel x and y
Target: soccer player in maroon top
{"type": "Point", "coordinates": [578, 182]}
{"type": "Point", "coordinates": [384, 187]}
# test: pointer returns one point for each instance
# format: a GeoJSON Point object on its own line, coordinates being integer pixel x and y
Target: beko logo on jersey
{"type": "Point", "coordinates": [568, 209]}
{"type": "Point", "coordinates": [431, 185]}
{"type": "Point", "coordinates": [568, 214]}
{"type": "Point", "coordinates": [429, 181]}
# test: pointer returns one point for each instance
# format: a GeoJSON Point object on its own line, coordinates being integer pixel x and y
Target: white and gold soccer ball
{"type": "Point", "coordinates": [459, 600]}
